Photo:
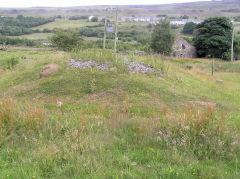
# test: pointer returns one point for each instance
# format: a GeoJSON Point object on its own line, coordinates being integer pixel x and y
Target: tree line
{"type": "Point", "coordinates": [21, 25]}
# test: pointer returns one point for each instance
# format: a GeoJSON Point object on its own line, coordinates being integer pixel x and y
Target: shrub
{"type": "Point", "coordinates": [189, 28]}
{"type": "Point", "coordinates": [78, 17]}
{"type": "Point", "coordinates": [94, 19]}
{"type": "Point", "coordinates": [66, 41]}
{"type": "Point", "coordinates": [17, 41]}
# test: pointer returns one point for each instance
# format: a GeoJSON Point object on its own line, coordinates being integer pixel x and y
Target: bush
{"type": "Point", "coordinates": [78, 17]}
{"type": "Point", "coordinates": [17, 41]}
{"type": "Point", "coordinates": [66, 41]}
{"type": "Point", "coordinates": [188, 39]}
{"type": "Point", "coordinates": [189, 28]}
{"type": "Point", "coordinates": [94, 19]}
{"type": "Point", "coordinates": [184, 17]}
{"type": "Point", "coordinates": [46, 31]}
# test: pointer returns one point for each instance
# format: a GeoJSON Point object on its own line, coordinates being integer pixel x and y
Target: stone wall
{"type": "Point", "coordinates": [183, 49]}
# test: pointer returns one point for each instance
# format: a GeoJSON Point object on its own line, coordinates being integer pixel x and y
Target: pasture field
{"type": "Point", "coordinates": [64, 24]}
{"type": "Point", "coordinates": [84, 123]}
{"type": "Point", "coordinates": [35, 36]}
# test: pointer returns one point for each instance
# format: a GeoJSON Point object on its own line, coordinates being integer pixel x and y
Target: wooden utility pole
{"type": "Point", "coordinates": [212, 66]}
{"type": "Point", "coordinates": [232, 54]}
{"type": "Point", "coordinates": [105, 31]}
{"type": "Point", "coordinates": [116, 31]}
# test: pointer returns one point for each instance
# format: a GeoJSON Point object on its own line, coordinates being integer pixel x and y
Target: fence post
{"type": "Point", "coordinates": [212, 66]}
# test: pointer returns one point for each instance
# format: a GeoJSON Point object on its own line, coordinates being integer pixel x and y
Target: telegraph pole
{"type": "Point", "coordinates": [232, 45]}
{"type": "Point", "coordinates": [116, 31]}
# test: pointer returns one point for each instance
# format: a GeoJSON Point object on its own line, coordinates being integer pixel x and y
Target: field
{"type": "Point", "coordinates": [180, 123]}
{"type": "Point", "coordinates": [177, 122]}
{"type": "Point", "coordinates": [64, 24]}
{"type": "Point", "coordinates": [35, 36]}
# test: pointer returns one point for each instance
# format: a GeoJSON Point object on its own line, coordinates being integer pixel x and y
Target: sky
{"type": "Point", "coordinates": [65, 3]}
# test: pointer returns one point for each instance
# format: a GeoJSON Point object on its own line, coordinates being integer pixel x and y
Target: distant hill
{"type": "Point", "coordinates": [227, 8]}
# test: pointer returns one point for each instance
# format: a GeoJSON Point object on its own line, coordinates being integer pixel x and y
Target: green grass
{"type": "Point", "coordinates": [117, 124]}
{"type": "Point", "coordinates": [64, 24]}
{"type": "Point", "coordinates": [35, 36]}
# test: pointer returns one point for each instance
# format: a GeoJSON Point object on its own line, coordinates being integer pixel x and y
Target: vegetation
{"type": "Point", "coordinates": [177, 122]}
{"type": "Point", "coordinates": [94, 19]}
{"type": "Point", "coordinates": [162, 37]}
{"type": "Point", "coordinates": [78, 18]}
{"type": "Point", "coordinates": [189, 28]}
{"type": "Point", "coordinates": [65, 24]}
{"type": "Point", "coordinates": [184, 17]}
{"type": "Point", "coordinates": [66, 40]}
{"type": "Point", "coordinates": [117, 124]}
{"type": "Point", "coordinates": [213, 38]}
{"type": "Point", "coordinates": [162, 15]}
{"type": "Point", "coordinates": [16, 41]}
{"type": "Point", "coordinates": [21, 25]}
{"type": "Point", "coordinates": [237, 18]}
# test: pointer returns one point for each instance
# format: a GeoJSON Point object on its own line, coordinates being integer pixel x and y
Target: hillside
{"type": "Point", "coordinates": [177, 122]}
{"type": "Point", "coordinates": [199, 9]}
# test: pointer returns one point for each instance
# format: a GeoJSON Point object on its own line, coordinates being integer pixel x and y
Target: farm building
{"type": "Point", "coordinates": [183, 49]}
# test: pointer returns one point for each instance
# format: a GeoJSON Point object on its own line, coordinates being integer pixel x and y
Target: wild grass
{"type": "Point", "coordinates": [110, 142]}
{"type": "Point", "coordinates": [94, 124]}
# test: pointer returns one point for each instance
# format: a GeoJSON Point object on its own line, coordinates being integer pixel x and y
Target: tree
{"type": "Point", "coordinates": [189, 28]}
{"type": "Point", "coordinates": [184, 17]}
{"type": "Point", "coordinates": [213, 38]}
{"type": "Point", "coordinates": [66, 41]}
{"type": "Point", "coordinates": [162, 15]}
{"type": "Point", "coordinates": [162, 37]}
{"type": "Point", "coordinates": [94, 19]}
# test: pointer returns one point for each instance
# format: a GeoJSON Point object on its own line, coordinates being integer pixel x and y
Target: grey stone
{"type": "Point", "coordinates": [88, 64]}
{"type": "Point", "coordinates": [219, 81]}
{"type": "Point", "coordinates": [140, 67]}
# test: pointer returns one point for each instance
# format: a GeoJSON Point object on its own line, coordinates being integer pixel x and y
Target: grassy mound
{"type": "Point", "coordinates": [96, 124]}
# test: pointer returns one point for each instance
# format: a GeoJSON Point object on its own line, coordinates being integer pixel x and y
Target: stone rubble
{"type": "Point", "coordinates": [140, 67]}
{"type": "Point", "coordinates": [133, 67]}
{"type": "Point", "coordinates": [88, 64]}
{"type": "Point", "coordinates": [103, 67]}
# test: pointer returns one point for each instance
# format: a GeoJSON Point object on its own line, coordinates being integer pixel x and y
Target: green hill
{"type": "Point", "coordinates": [201, 9]}
{"type": "Point", "coordinates": [178, 122]}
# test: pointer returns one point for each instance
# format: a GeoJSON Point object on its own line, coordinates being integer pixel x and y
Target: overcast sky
{"type": "Point", "coordinates": [63, 3]}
